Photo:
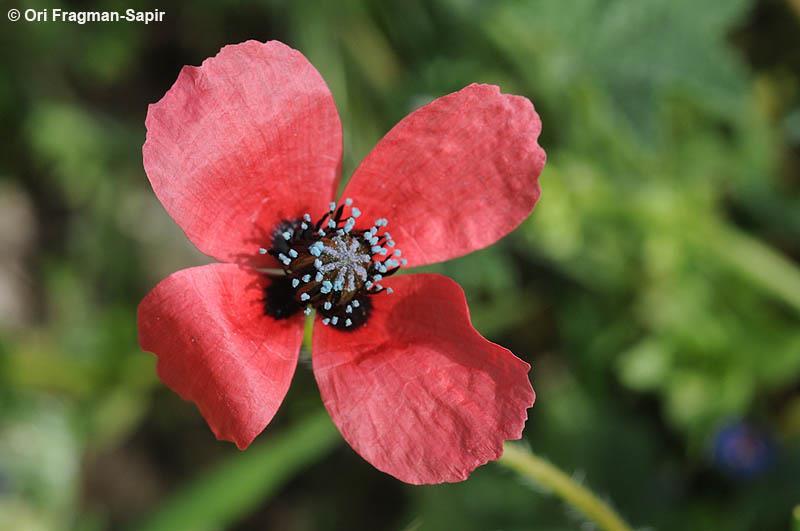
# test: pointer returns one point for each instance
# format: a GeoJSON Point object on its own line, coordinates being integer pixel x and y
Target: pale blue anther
{"type": "Point", "coordinates": [349, 224]}
{"type": "Point", "coordinates": [376, 248]}
{"type": "Point", "coordinates": [304, 225]}
{"type": "Point", "coordinates": [355, 212]}
{"type": "Point", "coordinates": [304, 296]}
{"type": "Point", "coordinates": [285, 259]}
{"type": "Point", "coordinates": [316, 248]}
{"type": "Point", "coordinates": [292, 253]}
{"type": "Point", "coordinates": [295, 282]}
{"type": "Point", "coordinates": [373, 241]}
{"type": "Point", "coordinates": [326, 321]}
{"type": "Point", "coordinates": [377, 278]}
{"type": "Point", "coordinates": [383, 251]}
{"type": "Point", "coordinates": [332, 206]}
{"type": "Point", "coordinates": [287, 235]}
{"type": "Point", "coordinates": [348, 201]}
{"type": "Point", "coordinates": [382, 268]}
{"type": "Point", "coordinates": [348, 322]}
{"type": "Point", "coordinates": [261, 250]}
{"type": "Point", "coordinates": [390, 243]}
{"type": "Point", "coordinates": [403, 262]}
{"type": "Point", "coordinates": [321, 232]}
{"type": "Point", "coordinates": [326, 287]}
{"type": "Point", "coordinates": [327, 305]}
{"type": "Point", "coordinates": [398, 252]}
{"type": "Point", "coordinates": [306, 278]}
{"type": "Point", "coordinates": [391, 263]}
{"type": "Point", "coordinates": [331, 224]}
{"type": "Point", "coordinates": [338, 285]}
{"type": "Point", "coordinates": [349, 309]}
{"type": "Point", "coordinates": [318, 276]}
{"type": "Point", "coordinates": [307, 311]}
{"type": "Point", "coordinates": [334, 320]}
{"type": "Point", "coordinates": [355, 304]}
{"type": "Point", "coordinates": [378, 287]}
{"type": "Point", "coordinates": [318, 263]}
{"type": "Point", "coordinates": [368, 284]}
{"type": "Point", "coordinates": [307, 217]}
{"type": "Point", "coordinates": [381, 222]}
{"type": "Point", "coordinates": [389, 291]}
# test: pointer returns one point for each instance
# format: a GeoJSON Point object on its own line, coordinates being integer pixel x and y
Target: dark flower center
{"type": "Point", "coordinates": [331, 266]}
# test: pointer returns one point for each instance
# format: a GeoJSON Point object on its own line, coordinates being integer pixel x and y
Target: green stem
{"type": "Point", "coordinates": [526, 463]}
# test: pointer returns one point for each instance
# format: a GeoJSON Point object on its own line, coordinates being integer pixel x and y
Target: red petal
{"type": "Point", "coordinates": [455, 175]}
{"type": "Point", "coordinates": [216, 347]}
{"type": "Point", "coordinates": [246, 140]}
{"type": "Point", "coordinates": [417, 391]}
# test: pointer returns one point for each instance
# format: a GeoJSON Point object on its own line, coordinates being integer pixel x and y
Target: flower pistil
{"type": "Point", "coordinates": [331, 266]}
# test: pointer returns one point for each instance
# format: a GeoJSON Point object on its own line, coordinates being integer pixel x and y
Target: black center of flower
{"type": "Point", "coordinates": [331, 266]}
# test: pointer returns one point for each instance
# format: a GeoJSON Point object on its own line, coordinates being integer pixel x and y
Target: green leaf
{"type": "Point", "coordinates": [796, 518]}
{"type": "Point", "coordinates": [239, 484]}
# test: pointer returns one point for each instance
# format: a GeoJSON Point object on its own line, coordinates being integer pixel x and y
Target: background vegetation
{"type": "Point", "coordinates": [655, 289]}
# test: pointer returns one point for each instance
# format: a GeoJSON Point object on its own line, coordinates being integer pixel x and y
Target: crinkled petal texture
{"type": "Point", "coordinates": [216, 347]}
{"type": "Point", "coordinates": [248, 139]}
{"type": "Point", "coordinates": [454, 176]}
{"type": "Point", "coordinates": [417, 391]}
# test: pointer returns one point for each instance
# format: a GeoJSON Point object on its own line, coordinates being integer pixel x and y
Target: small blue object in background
{"type": "Point", "coordinates": [743, 451]}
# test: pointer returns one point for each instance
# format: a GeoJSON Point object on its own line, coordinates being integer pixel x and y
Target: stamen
{"type": "Point", "coordinates": [333, 267]}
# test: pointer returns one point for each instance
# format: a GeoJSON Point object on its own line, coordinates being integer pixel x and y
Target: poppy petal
{"type": "Point", "coordinates": [417, 391]}
{"type": "Point", "coordinates": [250, 138]}
{"type": "Point", "coordinates": [216, 347]}
{"type": "Point", "coordinates": [454, 176]}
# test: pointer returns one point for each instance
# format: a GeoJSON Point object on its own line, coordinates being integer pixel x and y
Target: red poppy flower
{"type": "Point", "coordinates": [244, 153]}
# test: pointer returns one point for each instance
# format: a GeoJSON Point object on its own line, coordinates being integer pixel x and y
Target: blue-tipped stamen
{"type": "Point", "coordinates": [334, 267]}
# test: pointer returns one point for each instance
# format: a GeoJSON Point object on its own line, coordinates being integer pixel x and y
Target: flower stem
{"type": "Point", "coordinates": [526, 463]}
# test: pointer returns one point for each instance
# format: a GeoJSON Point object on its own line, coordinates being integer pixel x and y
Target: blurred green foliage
{"type": "Point", "coordinates": [655, 289]}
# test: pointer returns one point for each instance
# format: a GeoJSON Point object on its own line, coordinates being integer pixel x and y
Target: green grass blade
{"type": "Point", "coordinates": [236, 486]}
